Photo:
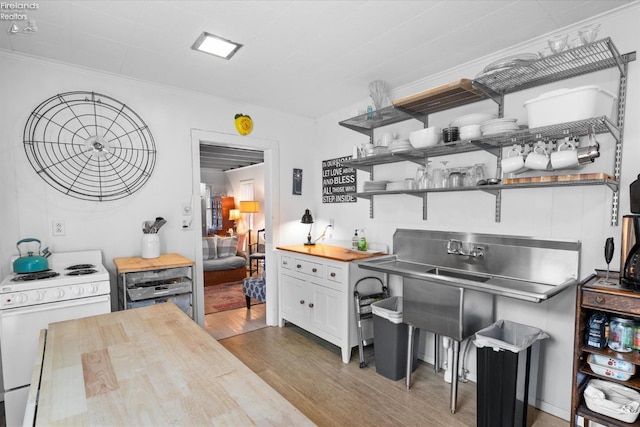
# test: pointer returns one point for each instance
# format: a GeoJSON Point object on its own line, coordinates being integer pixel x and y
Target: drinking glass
{"type": "Point", "coordinates": [438, 179]}
{"type": "Point", "coordinates": [479, 173]}
{"type": "Point", "coordinates": [445, 174]}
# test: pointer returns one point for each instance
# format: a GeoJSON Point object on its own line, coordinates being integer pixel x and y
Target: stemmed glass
{"type": "Point", "coordinates": [445, 174]}
{"type": "Point", "coordinates": [423, 176]}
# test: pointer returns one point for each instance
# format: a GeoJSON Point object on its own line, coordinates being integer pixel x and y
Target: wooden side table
{"type": "Point", "coordinates": [148, 281]}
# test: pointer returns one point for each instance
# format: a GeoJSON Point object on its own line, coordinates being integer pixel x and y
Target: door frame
{"type": "Point", "coordinates": [271, 215]}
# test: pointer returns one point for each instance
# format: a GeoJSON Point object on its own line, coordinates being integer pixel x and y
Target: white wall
{"type": "Point", "coordinates": [574, 213]}
{"type": "Point", "coordinates": [28, 205]}
{"type": "Point", "coordinates": [216, 179]}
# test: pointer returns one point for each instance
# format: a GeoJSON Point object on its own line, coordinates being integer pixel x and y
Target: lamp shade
{"type": "Point", "coordinates": [234, 214]}
{"type": "Point", "coordinates": [249, 206]}
{"type": "Point", "coordinates": [307, 218]}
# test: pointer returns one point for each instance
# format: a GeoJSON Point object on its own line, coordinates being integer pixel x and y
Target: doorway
{"type": "Point", "coordinates": [270, 150]}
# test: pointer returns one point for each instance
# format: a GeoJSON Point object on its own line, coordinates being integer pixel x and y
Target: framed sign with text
{"type": "Point", "coordinates": [338, 181]}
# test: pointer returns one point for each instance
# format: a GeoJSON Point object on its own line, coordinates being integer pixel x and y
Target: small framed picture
{"type": "Point", "coordinates": [297, 182]}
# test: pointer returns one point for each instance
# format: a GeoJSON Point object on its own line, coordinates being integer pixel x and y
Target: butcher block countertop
{"type": "Point", "coordinates": [150, 366]}
{"type": "Point", "coordinates": [336, 253]}
{"type": "Point", "coordinates": [132, 264]}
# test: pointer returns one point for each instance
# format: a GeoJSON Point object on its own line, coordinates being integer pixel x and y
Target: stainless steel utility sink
{"type": "Point", "coordinates": [450, 311]}
{"type": "Point", "coordinates": [450, 279]}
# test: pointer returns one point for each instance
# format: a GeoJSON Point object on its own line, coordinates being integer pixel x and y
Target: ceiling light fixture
{"type": "Point", "coordinates": [217, 46]}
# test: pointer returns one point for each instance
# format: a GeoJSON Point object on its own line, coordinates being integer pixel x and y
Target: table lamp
{"type": "Point", "coordinates": [234, 215]}
{"type": "Point", "coordinates": [308, 219]}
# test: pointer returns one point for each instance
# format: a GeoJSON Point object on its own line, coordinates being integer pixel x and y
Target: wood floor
{"type": "Point", "coordinates": [228, 323]}
{"type": "Point", "coordinates": [310, 374]}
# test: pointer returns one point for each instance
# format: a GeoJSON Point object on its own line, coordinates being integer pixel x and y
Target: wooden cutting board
{"type": "Point", "coordinates": [459, 92]}
{"type": "Point", "coordinates": [557, 178]}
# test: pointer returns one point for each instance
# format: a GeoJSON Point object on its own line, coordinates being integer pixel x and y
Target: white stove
{"type": "Point", "coordinates": [76, 285]}
{"type": "Point", "coordinates": [71, 275]}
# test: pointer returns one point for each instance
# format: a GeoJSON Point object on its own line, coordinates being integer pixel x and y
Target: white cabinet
{"type": "Point", "coordinates": [316, 294]}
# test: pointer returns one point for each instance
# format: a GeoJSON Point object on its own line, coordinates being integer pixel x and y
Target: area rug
{"type": "Point", "coordinates": [227, 296]}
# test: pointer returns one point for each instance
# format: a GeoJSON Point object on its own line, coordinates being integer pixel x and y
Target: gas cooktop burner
{"type": "Point", "coordinates": [80, 267]}
{"type": "Point", "coordinates": [35, 276]}
{"type": "Point", "coordinates": [82, 272]}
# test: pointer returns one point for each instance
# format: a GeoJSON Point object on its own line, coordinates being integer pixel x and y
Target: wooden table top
{"type": "Point", "coordinates": [337, 253]}
{"type": "Point", "coordinates": [131, 264]}
{"type": "Point", "coordinates": [150, 366]}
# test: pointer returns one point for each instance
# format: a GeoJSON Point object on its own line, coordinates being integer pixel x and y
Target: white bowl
{"type": "Point", "coordinates": [470, 132]}
{"type": "Point", "coordinates": [427, 137]}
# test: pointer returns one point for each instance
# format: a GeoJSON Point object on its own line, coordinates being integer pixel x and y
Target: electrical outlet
{"type": "Point", "coordinates": [57, 227]}
{"type": "Point", "coordinates": [187, 223]}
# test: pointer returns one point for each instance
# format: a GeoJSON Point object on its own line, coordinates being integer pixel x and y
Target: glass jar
{"type": "Point", "coordinates": [621, 334]}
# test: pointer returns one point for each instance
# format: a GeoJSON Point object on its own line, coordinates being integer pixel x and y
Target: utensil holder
{"type": "Point", "coordinates": [150, 246]}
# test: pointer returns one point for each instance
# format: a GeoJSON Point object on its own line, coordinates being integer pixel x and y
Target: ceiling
{"type": "Point", "coordinates": [227, 158]}
{"type": "Point", "coordinates": [307, 58]}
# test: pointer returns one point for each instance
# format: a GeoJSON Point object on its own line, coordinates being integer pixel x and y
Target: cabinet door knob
{"type": "Point", "coordinates": [315, 270]}
{"type": "Point", "coordinates": [600, 299]}
{"type": "Point", "coordinates": [333, 274]}
{"type": "Point", "coordinates": [311, 304]}
{"type": "Point", "coordinates": [298, 266]}
{"type": "Point", "coordinates": [302, 302]}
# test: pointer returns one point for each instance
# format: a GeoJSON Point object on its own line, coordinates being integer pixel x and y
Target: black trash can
{"type": "Point", "coordinates": [504, 364]}
{"type": "Point", "coordinates": [391, 338]}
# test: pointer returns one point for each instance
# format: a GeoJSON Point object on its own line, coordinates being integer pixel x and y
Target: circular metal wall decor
{"type": "Point", "coordinates": [89, 146]}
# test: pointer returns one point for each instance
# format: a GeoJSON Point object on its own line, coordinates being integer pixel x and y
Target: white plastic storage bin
{"type": "Point", "coordinates": [568, 105]}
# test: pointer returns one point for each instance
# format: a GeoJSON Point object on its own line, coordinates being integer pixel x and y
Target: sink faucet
{"type": "Point", "coordinates": [476, 251]}
{"type": "Point", "coordinates": [456, 247]}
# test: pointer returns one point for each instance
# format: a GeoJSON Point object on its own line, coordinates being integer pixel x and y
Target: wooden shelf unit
{"type": "Point", "coordinates": [613, 301]}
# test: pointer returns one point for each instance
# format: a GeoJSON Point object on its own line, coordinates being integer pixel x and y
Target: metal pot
{"type": "Point", "coordinates": [30, 263]}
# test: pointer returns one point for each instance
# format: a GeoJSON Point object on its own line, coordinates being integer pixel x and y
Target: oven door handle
{"type": "Point", "coordinates": [54, 305]}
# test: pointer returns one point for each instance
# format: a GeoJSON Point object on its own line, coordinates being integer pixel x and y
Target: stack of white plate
{"type": "Point", "coordinates": [395, 186]}
{"type": "Point", "coordinates": [375, 185]}
{"type": "Point", "coordinates": [400, 145]}
{"type": "Point", "coordinates": [472, 119]}
{"type": "Point", "coordinates": [496, 126]}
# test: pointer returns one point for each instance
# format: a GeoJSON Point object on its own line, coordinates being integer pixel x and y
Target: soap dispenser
{"type": "Point", "coordinates": [362, 242]}
{"type": "Point", "coordinates": [354, 241]}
